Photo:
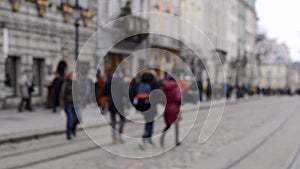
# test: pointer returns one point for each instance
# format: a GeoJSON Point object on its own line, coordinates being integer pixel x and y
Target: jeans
{"type": "Point", "coordinates": [71, 119]}
{"type": "Point", "coordinates": [78, 112]}
{"type": "Point", "coordinates": [114, 123]}
{"type": "Point", "coordinates": [200, 96]}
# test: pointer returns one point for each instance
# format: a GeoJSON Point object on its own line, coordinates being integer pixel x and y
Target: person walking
{"type": "Point", "coordinates": [116, 105]}
{"type": "Point", "coordinates": [200, 89]}
{"type": "Point", "coordinates": [208, 90]}
{"type": "Point", "coordinates": [99, 87]}
{"type": "Point", "coordinates": [24, 87]}
{"type": "Point", "coordinates": [172, 110]}
{"type": "Point", "coordinates": [57, 84]}
{"type": "Point", "coordinates": [141, 102]}
{"type": "Point", "coordinates": [30, 91]}
{"type": "Point", "coordinates": [70, 105]}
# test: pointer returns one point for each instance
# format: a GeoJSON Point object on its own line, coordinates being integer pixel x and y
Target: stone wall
{"type": "Point", "coordinates": [47, 38]}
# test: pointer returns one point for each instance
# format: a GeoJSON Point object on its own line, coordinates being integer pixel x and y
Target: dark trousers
{"type": "Point", "coordinates": [149, 127]}
{"type": "Point", "coordinates": [55, 101]}
{"type": "Point", "coordinates": [200, 96]}
{"type": "Point", "coordinates": [176, 133]}
{"type": "Point", "coordinates": [114, 123]}
{"type": "Point", "coordinates": [27, 103]}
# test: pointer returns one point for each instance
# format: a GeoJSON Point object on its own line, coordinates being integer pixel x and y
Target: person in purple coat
{"type": "Point", "coordinates": [172, 110]}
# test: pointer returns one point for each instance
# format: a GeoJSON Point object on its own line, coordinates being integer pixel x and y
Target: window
{"type": "Point", "coordinates": [11, 75]}
{"type": "Point", "coordinates": [37, 76]}
{"type": "Point", "coordinates": [82, 3]}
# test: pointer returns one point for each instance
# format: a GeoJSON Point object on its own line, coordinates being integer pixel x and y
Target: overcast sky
{"type": "Point", "coordinates": [281, 20]}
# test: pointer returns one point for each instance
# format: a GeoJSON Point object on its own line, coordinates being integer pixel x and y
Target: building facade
{"type": "Point", "coordinates": [165, 48]}
{"type": "Point", "coordinates": [215, 28]}
{"type": "Point", "coordinates": [276, 68]}
{"type": "Point", "coordinates": [111, 10]}
{"type": "Point", "coordinates": [37, 34]}
{"type": "Point", "coordinates": [192, 11]}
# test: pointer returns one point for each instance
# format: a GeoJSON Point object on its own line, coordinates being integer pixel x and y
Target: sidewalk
{"type": "Point", "coordinates": [16, 126]}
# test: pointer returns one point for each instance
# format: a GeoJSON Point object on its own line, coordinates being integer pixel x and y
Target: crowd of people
{"type": "Point", "coordinates": [138, 89]}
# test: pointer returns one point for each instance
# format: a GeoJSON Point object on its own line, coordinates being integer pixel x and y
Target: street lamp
{"type": "Point", "coordinates": [77, 10]}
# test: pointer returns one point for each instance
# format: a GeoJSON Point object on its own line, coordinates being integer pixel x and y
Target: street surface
{"type": "Point", "coordinates": [253, 134]}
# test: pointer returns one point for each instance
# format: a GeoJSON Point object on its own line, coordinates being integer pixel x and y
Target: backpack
{"type": "Point", "coordinates": [143, 91]}
{"type": "Point", "coordinates": [141, 100]}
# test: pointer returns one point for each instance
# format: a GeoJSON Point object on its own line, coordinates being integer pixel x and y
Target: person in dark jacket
{"type": "Point", "coordinates": [208, 90]}
{"type": "Point", "coordinates": [70, 104]}
{"type": "Point", "coordinates": [200, 88]}
{"type": "Point", "coordinates": [116, 105]}
{"type": "Point", "coordinates": [99, 87]}
{"type": "Point", "coordinates": [56, 84]}
{"type": "Point", "coordinates": [148, 110]}
{"type": "Point", "coordinates": [172, 110]}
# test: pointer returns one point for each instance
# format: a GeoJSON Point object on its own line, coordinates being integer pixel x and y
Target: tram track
{"type": "Point", "coordinates": [68, 154]}
{"type": "Point", "coordinates": [246, 154]}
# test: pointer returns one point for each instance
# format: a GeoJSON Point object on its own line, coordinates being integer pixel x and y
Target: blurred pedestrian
{"type": "Point", "coordinates": [31, 90]}
{"type": "Point", "coordinates": [70, 105]}
{"type": "Point", "coordinates": [185, 90]}
{"type": "Point", "coordinates": [56, 85]}
{"type": "Point", "coordinates": [142, 103]}
{"type": "Point", "coordinates": [208, 90]}
{"type": "Point", "coordinates": [24, 86]}
{"type": "Point", "coordinates": [86, 85]}
{"type": "Point", "coordinates": [116, 105]}
{"type": "Point", "coordinates": [228, 89]}
{"type": "Point", "coordinates": [200, 88]}
{"type": "Point", "coordinates": [172, 110]}
{"type": "Point", "coordinates": [99, 87]}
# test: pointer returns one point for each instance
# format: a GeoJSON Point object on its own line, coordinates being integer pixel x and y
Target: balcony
{"type": "Point", "coordinates": [133, 25]}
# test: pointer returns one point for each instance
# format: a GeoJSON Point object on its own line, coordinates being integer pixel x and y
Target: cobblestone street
{"type": "Point", "coordinates": [249, 134]}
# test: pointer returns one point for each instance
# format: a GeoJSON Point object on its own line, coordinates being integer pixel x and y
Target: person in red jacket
{"type": "Point", "coordinates": [172, 110]}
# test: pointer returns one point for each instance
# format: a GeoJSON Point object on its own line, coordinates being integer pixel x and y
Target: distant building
{"type": "Point", "coordinates": [215, 27]}
{"type": "Point", "coordinates": [295, 76]}
{"type": "Point", "coordinates": [231, 26]}
{"type": "Point", "coordinates": [251, 32]}
{"type": "Point", "coordinates": [275, 68]}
